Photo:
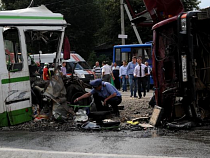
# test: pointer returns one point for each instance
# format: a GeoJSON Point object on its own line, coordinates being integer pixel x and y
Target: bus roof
{"type": "Point", "coordinates": [31, 16]}
{"type": "Point", "coordinates": [133, 45]}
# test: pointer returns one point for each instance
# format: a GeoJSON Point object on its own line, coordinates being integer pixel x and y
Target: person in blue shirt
{"type": "Point", "coordinates": [106, 92]}
{"type": "Point", "coordinates": [123, 73]}
{"type": "Point", "coordinates": [132, 79]}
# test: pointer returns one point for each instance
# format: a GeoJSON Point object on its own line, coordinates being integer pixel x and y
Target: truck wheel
{"type": "Point", "coordinates": [75, 91]}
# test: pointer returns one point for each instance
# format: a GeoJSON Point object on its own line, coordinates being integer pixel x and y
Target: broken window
{"type": "Point", "coordinates": [42, 41]}
{"type": "Point", "coordinates": [13, 53]}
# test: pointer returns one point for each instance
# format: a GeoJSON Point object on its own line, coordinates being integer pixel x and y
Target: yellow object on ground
{"type": "Point", "coordinates": [133, 123]}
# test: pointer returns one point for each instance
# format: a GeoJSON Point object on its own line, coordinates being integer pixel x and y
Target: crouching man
{"type": "Point", "coordinates": [103, 91]}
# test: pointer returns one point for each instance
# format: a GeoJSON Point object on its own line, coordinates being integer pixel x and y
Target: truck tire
{"type": "Point", "coordinates": [74, 91]}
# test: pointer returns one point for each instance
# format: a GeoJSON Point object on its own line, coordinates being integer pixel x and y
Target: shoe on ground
{"type": "Point", "coordinates": [135, 96]}
{"type": "Point", "coordinates": [130, 95]}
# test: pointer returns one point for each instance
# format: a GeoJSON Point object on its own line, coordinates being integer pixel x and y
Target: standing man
{"type": "Point", "coordinates": [115, 71]}
{"type": "Point", "coordinates": [132, 79]}
{"type": "Point", "coordinates": [140, 73]}
{"type": "Point", "coordinates": [106, 72]}
{"type": "Point", "coordinates": [46, 75]}
{"type": "Point", "coordinates": [123, 72]}
{"type": "Point", "coordinates": [97, 70]}
{"type": "Point", "coordinates": [148, 76]}
{"type": "Point", "coordinates": [63, 69]}
{"type": "Point", "coordinates": [103, 91]}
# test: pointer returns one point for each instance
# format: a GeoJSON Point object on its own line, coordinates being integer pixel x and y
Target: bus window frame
{"type": "Point", "coordinates": [130, 54]}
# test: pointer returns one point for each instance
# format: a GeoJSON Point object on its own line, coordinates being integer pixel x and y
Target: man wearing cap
{"type": "Point", "coordinates": [106, 92]}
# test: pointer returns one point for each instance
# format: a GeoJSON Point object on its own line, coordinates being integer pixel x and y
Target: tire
{"type": "Point", "coordinates": [74, 91]}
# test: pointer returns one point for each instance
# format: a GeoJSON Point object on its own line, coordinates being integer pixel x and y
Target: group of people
{"type": "Point", "coordinates": [137, 73]}
{"type": "Point", "coordinates": [47, 73]}
{"type": "Point", "coordinates": [107, 72]}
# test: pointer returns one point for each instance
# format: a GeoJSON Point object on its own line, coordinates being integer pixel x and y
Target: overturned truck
{"type": "Point", "coordinates": [25, 32]}
{"type": "Point", "coordinates": [181, 64]}
{"type": "Point", "coordinates": [181, 57]}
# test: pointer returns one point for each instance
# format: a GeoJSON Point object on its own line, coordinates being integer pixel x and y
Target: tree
{"type": "Point", "coordinates": [190, 4]}
{"type": "Point", "coordinates": [92, 59]}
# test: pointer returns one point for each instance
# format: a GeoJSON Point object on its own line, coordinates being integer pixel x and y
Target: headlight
{"type": "Point", "coordinates": [81, 75]}
{"type": "Point", "coordinates": [184, 68]}
{"type": "Point", "coordinates": [183, 24]}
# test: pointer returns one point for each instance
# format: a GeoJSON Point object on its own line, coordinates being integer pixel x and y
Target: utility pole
{"type": "Point", "coordinates": [133, 25]}
{"type": "Point", "coordinates": [122, 20]}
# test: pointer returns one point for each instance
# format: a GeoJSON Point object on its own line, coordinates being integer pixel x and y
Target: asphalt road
{"type": "Point", "coordinates": [123, 144]}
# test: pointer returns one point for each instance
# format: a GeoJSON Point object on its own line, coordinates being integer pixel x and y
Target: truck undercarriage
{"type": "Point", "coordinates": [181, 63]}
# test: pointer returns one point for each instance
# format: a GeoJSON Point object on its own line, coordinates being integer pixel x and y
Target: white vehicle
{"type": "Point", "coordinates": [23, 32]}
{"type": "Point", "coordinates": [82, 69]}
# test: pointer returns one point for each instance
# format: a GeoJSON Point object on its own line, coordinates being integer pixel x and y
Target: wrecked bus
{"type": "Point", "coordinates": [25, 32]}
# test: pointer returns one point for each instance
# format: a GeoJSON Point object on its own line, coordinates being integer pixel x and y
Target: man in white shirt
{"type": "Point", "coordinates": [140, 72]}
{"type": "Point", "coordinates": [106, 72]}
{"type": "Point", "coordinates": [123, 73]}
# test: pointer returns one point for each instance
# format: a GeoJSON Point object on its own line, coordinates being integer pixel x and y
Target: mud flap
{"type": "Point", "coordinates": [4, 119]}
{"type": "Point", "coordinates": [17, 116]}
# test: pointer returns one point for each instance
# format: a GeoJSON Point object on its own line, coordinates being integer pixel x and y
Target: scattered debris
{"type": "Point", "coordinates": [81, 116]}
{"type": "Point", "coordinates": [145, 125]}
{"type": "Point", "coordinates": [156, 116]}
{"type": "Point", "coordinates": [82, 121]}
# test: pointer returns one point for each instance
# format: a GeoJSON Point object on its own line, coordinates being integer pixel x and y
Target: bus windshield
{"type": "Point", "coordinates": [126, 52]}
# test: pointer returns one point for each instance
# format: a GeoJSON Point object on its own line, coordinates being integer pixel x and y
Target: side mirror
{"type": "Point", "coordinates": [66, 48]}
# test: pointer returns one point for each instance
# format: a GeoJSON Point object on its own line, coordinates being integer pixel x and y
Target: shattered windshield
{"type": "Point", "coordinates": [70, 65]}
{"type": "Point", "coordinates": [79, 66]}
{"type": "Point", "coordinates": [42, 41]}
{"type": "Point", "coordinates": [84, 65]}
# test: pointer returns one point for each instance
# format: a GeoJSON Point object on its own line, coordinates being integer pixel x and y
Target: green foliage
{"type": "Point", "coordinates": [92, 59]}
{"type": "Point", "coordinates": [103, 57]}
{"type": "Point", "coordinates": [190, 4]}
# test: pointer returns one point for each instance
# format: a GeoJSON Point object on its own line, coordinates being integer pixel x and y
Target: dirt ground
{"type": "Point", "coordinates": [133, 108]}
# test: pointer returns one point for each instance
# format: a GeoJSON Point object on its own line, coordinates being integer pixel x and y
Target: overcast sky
{"type": "Point", "coordinates": [204, 3]}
